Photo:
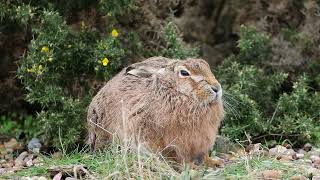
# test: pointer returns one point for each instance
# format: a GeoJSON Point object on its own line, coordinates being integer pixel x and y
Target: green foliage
{"type": "Point", "coordinates": [257, 103]}
{"type": "Point", "coordinates": [254, 46]}
{"type": "Point", "coordinates": [115, 7]}
{"type": "Point", "coordinates": [57, 72]}
{"type": "Point", "coordinates": [298, 113]}
{"type": "Point", "coordinates": [17, 126]}
{"type": "Point", "coordinates": [174, 46]}
{"type": "Point", "coordinates": [244, 99]}
{"type": "Point", "coordinates": [18, 14]}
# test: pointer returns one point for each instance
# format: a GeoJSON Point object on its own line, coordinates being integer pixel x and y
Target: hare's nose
{"type": "Point", "coordinates": [216, 88]}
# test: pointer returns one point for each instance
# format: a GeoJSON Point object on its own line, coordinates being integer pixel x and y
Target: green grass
{"type": "Point", "coordinates": [120, 162]}
{"type": "Point", "coordinates": [250, 167]}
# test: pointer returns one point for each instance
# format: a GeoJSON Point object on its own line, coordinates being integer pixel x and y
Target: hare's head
{"type": "Point", "coordinates": [194, 78]}
{"type": "Point", "coordinates": [191, 78]}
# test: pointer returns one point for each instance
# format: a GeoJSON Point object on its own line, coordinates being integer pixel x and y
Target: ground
{"type": "Point", "coordinates": [251, 162]}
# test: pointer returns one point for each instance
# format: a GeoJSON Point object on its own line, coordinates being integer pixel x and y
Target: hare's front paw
{"type": "Point", "coordinates": [213, 163]}
{"type": "Point", "coordinates": [204, 159]}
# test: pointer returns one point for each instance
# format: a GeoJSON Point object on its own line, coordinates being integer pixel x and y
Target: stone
{"type": "Point", "coordinates": [307, 147]}
{"type": "Point", "coordinates": [2, 170]}
{"type": "Point", "coordinates": [19, 161]}
{"type": "Point", "coordinates": [315, 177]}
{"type": "Point", "coordinates": [37, 161]}
{"type": "Point", "coordinates": [289, 152]}
{"type": "Point", "coordinates": [29, 163]}
{"type": "Point", "coordinates": [2, 161]}
{"type": "Point", "coordinates": [34, 145]}
{"type": "Point", "coordinates": [298, 177]}
{"type": "Point", "coordinates": [12, 144]}
{"type": "Point", "coordinates": [314, 158]}
{"type": "Point", "coordinates": [271, 174]}
{"type": "Point", "coordinates": [287, 145]}
{"type": "Point", "coordinates": [285, 158]}
{"type": "Point", "coordinates": [42, 178]}
{"type": "Point", "coordinates": [277, 151]}
{"type": "Point", "coordinates": [316, 164]}
{"type": "Point", "coordinates": [26, 178]}
{"type": "Point", "coordinates": [8, 157]}
{"type": "Point", "coordinates": [9, 151]}
{"type": "Point", "coordinates": [301, 151]}
{"type": "Point", "coordinates": [71, 178]}
{"type": "Point", "coordinates": [313, 171]}
{"type": "Point", "coordinates": [315, 152]}
{"type": "Point", "coordinates": [29, 157]}
{"type": "Point", "coordinates": [298, 156]}
{"type": "Point", "coordinates": [7, 165]}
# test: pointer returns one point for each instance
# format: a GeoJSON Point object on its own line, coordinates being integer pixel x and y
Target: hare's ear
{"type": "Point", "coordinates": [139, 72]}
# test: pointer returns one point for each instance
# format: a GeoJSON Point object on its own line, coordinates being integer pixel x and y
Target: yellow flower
{"type": "Point", "coordinates": [45, 49]}
{"type": "Point", "coordinates": [30, 70]}
{"type": "Point", "coordinates": [105, 61]}
{"type": "Point", "coordinates": [114, 33]}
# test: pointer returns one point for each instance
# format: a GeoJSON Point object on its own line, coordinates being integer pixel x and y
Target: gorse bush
{"type": "Point", "coordinates": [174, 46]}
{"type": "Point", "coordinates": [254, 47]}
{"type": "Point", "coordinates": [57, 73]}
{"type": "Point", "coordinates": [257, 102]}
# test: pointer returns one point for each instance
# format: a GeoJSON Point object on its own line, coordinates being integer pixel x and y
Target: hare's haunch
{"type": "Point", "coordinates": [171, 106]}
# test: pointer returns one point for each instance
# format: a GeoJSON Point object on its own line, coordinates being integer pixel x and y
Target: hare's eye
{"type": "Point", "coordinates": [184, 73]}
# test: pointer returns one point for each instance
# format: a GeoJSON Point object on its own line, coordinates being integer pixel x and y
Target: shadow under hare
{"type": "Point", "coordinates": [171, 106]}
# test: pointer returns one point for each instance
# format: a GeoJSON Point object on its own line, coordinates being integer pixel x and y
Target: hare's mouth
{"type": "Point", "coordinates": [214, 96]}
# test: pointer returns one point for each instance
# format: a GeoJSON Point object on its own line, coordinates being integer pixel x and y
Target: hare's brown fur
{"type": "Point", "coordinates": [148, 108]}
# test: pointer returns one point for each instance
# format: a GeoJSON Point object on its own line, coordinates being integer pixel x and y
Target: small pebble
{"type": "Point", "coordinates": [2, 161]}
{"type": "Point", "coordinates": [314, 158]}
{"type": "Point", "coordinates": [298, 177]}
{"type": "Point", "coordinates": [285, 158]}
{"type": "Point", "coordinates": [298, 156]}
{"type": "Point", "coordinates": [12, 144]}
{"type": "Point", "coordinates": [71, 178]}
{"type": "Point", "coordinates": [9, 150]}
{"type": "Point", "coordinates": [34, 145]}
{"type": "Point", "coordinates": [29, 163]}
{"type": "Point", "coordinates": [7, 165]}
{"type": "Point", "coordinates": [8, 157]}
{"type": "Point", "coordinates": [19, 162]}
{"type": "Point", "coordinates": [2, 170]}
{"type": "Point", "coordinates": [26, 178]}
{"type": "Point", "coordinates": [301, 151]}
{"type": "Point", "coordinates": [307, 147]}
{"type": "Point", "coordinates": [271, 174]}
{"type": "Point", "coordinates": [316, 164]}
{"type": "Point", "coordinates": [289, 152]}
{"type": "Point", "coordinates": [315, 152]}
{"type": "Point", "coordinates": [315, 177]}
{"type": "Point", "coordinates": [277, 151]}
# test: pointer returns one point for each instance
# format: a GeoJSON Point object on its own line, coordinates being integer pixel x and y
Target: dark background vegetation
{"type": "Point", "coordinates": [265, 53]}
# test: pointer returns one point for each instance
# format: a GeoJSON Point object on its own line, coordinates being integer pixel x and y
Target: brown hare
{"type": "Point", "coordinates": [168, 105]}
